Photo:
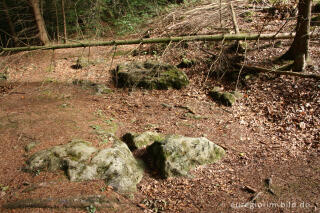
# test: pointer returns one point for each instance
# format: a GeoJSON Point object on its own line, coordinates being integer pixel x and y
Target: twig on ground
{"type": "Point", "coordinates": [255, 197]}
{"type": "Point", "coordinates": [249, 189]}
{"type": "Point", "coordinates": [264, 70]}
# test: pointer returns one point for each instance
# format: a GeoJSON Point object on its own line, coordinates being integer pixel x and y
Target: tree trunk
{"type": "Point", "coordinates": [64, 22]}
{"type": "Point", "coordinates": [43, 36]}
{"type": "Point", "coordinates": [57, 20]}
{"type": "Point", "coordinates": [299, 48]}
{"type": "Point", "coordinates": [11, 25]}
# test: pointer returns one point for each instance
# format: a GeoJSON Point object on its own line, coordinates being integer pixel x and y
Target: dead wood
{"type": "Point", "coordinates": [265, 70]}
{"type": "Point", "coordinates": [98, 201]}
{"type": "Point", "coordinates": [217, 37]}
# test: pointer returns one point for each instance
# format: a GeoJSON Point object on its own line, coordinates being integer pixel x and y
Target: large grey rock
{"type": "Point", "coordinates": [139, 141]}
{"type": "Point", "coordinates": [177, 155]}
{"type": "Point", "coordinates": [150, 75]}
{"type": "Point", "coordinates": [116, 165]}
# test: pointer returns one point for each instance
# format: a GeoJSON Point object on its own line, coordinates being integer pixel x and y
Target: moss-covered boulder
{"type": "Point", "coordinates": [177, 155]}
{"type": "Point", "coordinates": [55, 158]}
{"type": "Point", "coordinates": [116, 165]}
{"type": "Point", "coordinates": [149, 75]}
{"type": "Point", "coordinates": [225, 98]}
{"type": "Point", "coordinates": [81, 161]}
{"type": "Point", "coordinates": [139, 141]}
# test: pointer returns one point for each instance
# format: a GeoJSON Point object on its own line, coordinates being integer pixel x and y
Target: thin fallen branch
{"type": "Point", "coordinates": [249, 189]}
{"type": "Point", "coordinates": [255, 197]}
{"type": "Point", "coordinates": [98, 201]}
{"type": "Point", "coordinates": [264, 70]}
{"type": "Point", "coordinates": [218, 37]}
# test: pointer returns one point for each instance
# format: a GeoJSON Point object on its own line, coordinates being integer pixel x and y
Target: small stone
{"type": "Point", "coordinates": [102, 89]}
{"type": "Point", "coordinates": [2, 194]}
{"type": "Point", "coordinates": [225, 98]}
{"type": "Point", "coordinates": [30, 146]}
{"type": "Point", "coordinates": [186, 63]}
{"type": "Point", "coordinates": [302, 125]}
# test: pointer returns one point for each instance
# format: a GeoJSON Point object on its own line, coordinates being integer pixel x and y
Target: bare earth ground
{"type": "Point", "coordinates": [272, 134]}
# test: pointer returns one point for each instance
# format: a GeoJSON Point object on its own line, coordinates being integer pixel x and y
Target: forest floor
{"type": "Point", "coordinates": [271, 136]}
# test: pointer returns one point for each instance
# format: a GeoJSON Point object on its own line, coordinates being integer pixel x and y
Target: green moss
{"type": "Point", "coordinates": [176, 78]}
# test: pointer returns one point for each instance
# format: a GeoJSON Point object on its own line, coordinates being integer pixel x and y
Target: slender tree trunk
{"type": "Point", "coordinates": [40, 22]}
{"type": "Point", "coordinates": [64, 22]}
{"type": "Point", "coordinates": [11, 25]}
{"type": "Point", "coordinates": [299, 48]}
{"type": "Point", "coordinates": [57, 20]}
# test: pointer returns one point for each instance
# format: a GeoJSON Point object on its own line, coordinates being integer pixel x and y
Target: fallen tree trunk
{"type": "Point", "coordinates": [218, 37]}
{"type": "Point", "coordinates": [264, 70]}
